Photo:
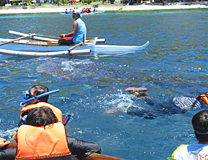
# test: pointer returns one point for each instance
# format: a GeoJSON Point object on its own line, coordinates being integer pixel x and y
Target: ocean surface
{"type": "Point", "coordinates": [174, 64]}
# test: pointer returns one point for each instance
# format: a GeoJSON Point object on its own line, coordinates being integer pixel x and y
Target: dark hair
{"type": "Point", "coordinates": [40, 89]}
{"type": "Point", "coordinates": [200, 125]}
{"type": "Point", "coordinates": [41, 116]}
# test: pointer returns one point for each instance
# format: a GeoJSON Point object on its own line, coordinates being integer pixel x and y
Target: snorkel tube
{"type": "Point", "coordinates": [68, 117]}
{"type": "Point", "coordinates": [38, 96]}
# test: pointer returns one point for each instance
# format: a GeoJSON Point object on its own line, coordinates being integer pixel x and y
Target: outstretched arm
{"type": "Point", "coordinates": [81, 149]}
{"type": "Point", "coordinates": [74, 30]}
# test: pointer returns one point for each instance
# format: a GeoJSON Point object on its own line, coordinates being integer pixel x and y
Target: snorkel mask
{"type": "Point", "coordinates": [201, 130]}
{"type": "Point", "coordinates": [28, 97]}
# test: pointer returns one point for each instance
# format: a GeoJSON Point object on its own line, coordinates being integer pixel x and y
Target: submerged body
{"type": "Point", "coordinates": [177, 105]}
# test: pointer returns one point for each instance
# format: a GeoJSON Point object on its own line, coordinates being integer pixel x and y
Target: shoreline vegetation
{"type": "Point", "coordinates": [102, 7]}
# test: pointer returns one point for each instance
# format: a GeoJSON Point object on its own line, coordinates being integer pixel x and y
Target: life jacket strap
{"type": "Point", "coordinates": [60, 156]}
{"type": "Point", "coordinates": [203, 97]}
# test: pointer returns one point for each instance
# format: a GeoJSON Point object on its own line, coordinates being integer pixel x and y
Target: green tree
{"type": "Point", "coordinates": [57, 1]}
{"type": "Point", "coordinates": [63, 1]}
{"type": "Point", "coordinates": [87, 1]}
{"type": "Point", "coordinates": [112, 1]}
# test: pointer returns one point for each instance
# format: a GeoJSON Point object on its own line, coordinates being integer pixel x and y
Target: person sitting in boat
{"type": "Point", "coordinates": [78, 31]}
{"type": "Point", "coordinates": [38, 102]}
{"type": "Point", "coordinates": [66, 12]}
{"type": "Point", "coordinates": [195, 151]}
{"type": "Point", "coordinates": [88, 10]}
{"type": "Point", "coordinates": [83, 10]}
{"type": "Point", "coordinates": [47, 137]}
{"type": "Point", "coordinates": [42, 135]}
{"type": "Point", "coordinates": [174, 106]}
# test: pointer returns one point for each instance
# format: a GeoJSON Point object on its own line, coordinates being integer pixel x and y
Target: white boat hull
{"type": "Point", "coordinates": [75, 52]}
{"type": "Point", "coordinates": [27, 47]}
{"type": "Point", "coordinates": [119, 49]}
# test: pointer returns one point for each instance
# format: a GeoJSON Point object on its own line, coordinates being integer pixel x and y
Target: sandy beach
{"type": "Point", "coordinates": [114, 7]}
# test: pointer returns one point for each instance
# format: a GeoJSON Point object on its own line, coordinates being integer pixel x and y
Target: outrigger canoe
{"type": "Point", "coordinates": [90, 13]}
{"type": "Point", "coordinates": [50, 47]}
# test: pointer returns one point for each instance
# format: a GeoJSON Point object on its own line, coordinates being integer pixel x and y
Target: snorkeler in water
{"type": "Point", "coordinates": [175, 106]}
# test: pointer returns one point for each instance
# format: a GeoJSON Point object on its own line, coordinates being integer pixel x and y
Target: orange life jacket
{"type": "Point", "coordinates": [42, 142]}
{"type": "Point", "coordinates": [55, 110]}
{"type": "Point", "coordinates": [203, 97]}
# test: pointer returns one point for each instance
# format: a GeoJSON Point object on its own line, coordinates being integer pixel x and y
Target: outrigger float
{"type": "Point", "coordinates": [42, 45]}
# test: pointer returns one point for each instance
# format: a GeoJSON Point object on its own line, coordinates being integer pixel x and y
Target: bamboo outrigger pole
{"type": "Point", "coordinates": [17, 39]}
{"type": "Point", "coordinates": [69, 50]}
{"type": "Point", "coordinates": [47, 36]}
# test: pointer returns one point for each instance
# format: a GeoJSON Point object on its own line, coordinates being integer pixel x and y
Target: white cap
{"type": "Point", "coordinates": [77, 11]}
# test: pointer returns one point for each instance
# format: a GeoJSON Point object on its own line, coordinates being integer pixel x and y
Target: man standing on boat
{"type": "Point", "coordinates": [78, 32]}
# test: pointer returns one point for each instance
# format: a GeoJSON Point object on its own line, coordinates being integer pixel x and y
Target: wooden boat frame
{"type": "Point", "coordinates": [50, 47]}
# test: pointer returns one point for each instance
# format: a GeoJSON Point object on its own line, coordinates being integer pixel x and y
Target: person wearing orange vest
{"type": "Point", "coordinates": [39, 102]}
{"type": "Point", "coordinates": [179, 104]}
{"type": "Point", "coordinates": [87, 10]}
{"type": "Point", "coordinates": [42, 136]}
{"type": "Point", "coordinates": [83, 10]}
{"type": "Point", "coordinates": [78, 147]}
{"type": "Point", "coordinates": [32, 133]}
{"type": "Point", "coordinates": [204, 98]}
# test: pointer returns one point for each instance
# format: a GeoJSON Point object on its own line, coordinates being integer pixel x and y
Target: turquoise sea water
{"type": "Point", "coordinates": [174, 64]}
